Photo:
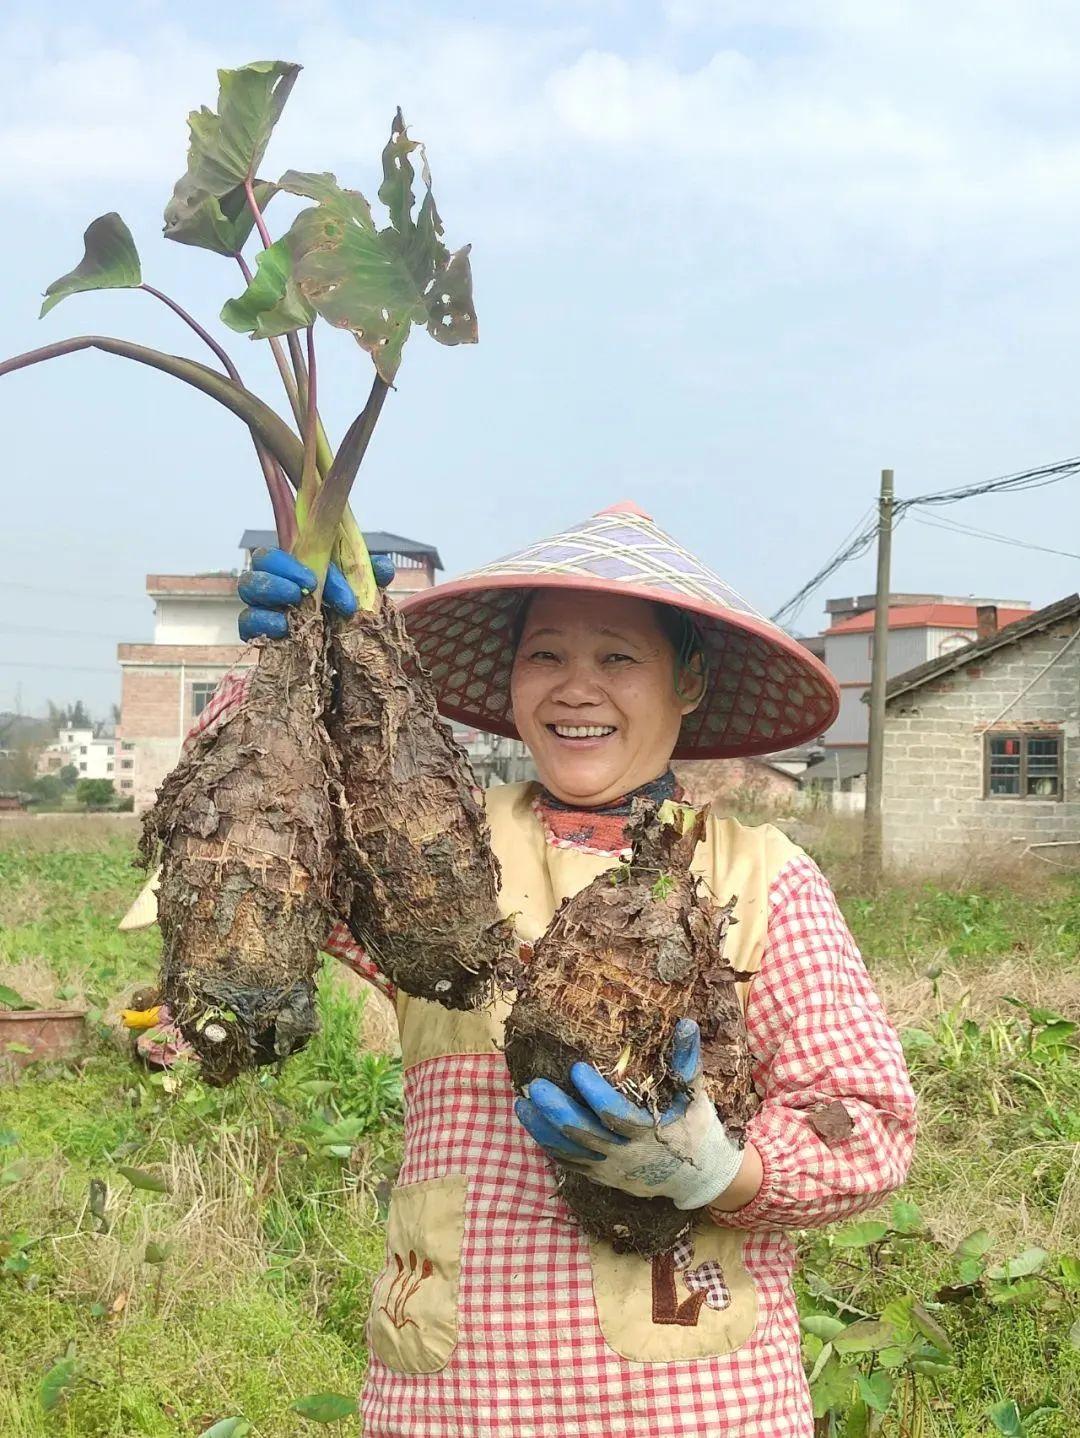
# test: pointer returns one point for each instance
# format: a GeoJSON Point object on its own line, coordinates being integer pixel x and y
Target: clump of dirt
{"type": "Point", "coordinates": [418, 878]}
{"type": "Point", "coordinates": [621, 962]}
{"type": "Point", "coordinates": [246, 832]}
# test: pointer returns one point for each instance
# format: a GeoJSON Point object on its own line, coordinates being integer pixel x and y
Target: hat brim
{"type": "Point", "coordinates": [765, 692]}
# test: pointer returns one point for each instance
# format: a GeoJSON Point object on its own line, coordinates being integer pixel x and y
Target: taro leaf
{"type": "Point", "coordinates": [192, 217]}
{"type": "Point", "coordinates": [832, 1123]}
{"type": "Point", "coordinates": [868, 1335]}
{"type": "Point", "coordinates": [876, 1390]}
{"type": "Point", "coordinates": [1074, 1334]}
{"type": "Point", "coordinates": [208, 207]}
{"type": "Point", "coordinates": [271, 304]}
{"type": "Point", "coordinates": [1006, 1419]}
{"type": "Point", "coordinates": [932, 1367]}
{"type": "Point", "coordinates": [930, 1328]}
{"type": "Point", "coordinates": [58, 1382]}
{"type": "Point", "coordinates": [227, 1428]}
{"type": "Point", "coordinates": [1070, 1266]}
{"type": "Point", "coordinates": [11, 1000]}
{"type": "Point", "coordinates": [860, 1235]}
{"type": "Point", "coordinates": [822, 1325]}
{"type": "Point", "coordinates": [325, 1407]}
{"type": "Point", "coordinates": [1025, 1264]}
{"type": "Point", "coordinates": [157, 1252]}
{"type": "Point", "coordinates": [906, 1218]}
{"type": "Point", "coordinates": [379, 283]}
{"type": "Point", "coordinates": [139, 1178]}
{"type": "Point", "coordinates": [974, 1245]}
{"type": "Point", "coordinates": [110, 262]}
{"type": "Point", "coordinates": [1024, 1294]}
{"type": "Point", "coordinates": [833, 1388]}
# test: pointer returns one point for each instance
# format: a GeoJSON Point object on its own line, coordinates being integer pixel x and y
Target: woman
{"type": "Point", "coordinates": [610, 649]}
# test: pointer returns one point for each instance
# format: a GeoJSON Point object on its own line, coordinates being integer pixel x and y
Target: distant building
{"type": "Point", "coordinates": [93, 758]}
{"type": "Point", "coordinates": [982, 744]}
{"type": "Point", "coordinates": [922, 627]}
{"type": "Point", "coordinates": [166, 683]}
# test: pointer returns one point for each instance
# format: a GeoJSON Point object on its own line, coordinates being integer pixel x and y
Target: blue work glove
{"type": "Point", "coordinates": [276, 582]}
{"type": "Point", "coordinates": [684, 1154]}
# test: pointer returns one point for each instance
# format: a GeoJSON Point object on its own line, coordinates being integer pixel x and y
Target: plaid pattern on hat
{"type": "Point", "coordinates": [765, 691]}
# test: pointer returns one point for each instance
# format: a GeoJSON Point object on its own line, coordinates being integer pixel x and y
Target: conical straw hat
{"type": "Point", "coordinates": [765, 691]}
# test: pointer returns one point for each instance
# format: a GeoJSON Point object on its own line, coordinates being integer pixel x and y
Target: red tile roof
{"type": "Point", "coordinates": [926, 616]}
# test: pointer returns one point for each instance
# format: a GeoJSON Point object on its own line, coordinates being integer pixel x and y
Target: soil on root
{"type": "Point", "coordinates": [418, 877]}
{"type": "Point", "coordinates": [245, 825]}
{"type": "Point", "coordinates": [621, 962]}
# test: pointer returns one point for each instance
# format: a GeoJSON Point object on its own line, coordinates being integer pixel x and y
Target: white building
{"type": "Point", "coordinates": [93, 758]}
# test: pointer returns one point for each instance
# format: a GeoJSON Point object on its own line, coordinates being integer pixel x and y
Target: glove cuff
{"type": "Point", "coordinates": [714, 1169]}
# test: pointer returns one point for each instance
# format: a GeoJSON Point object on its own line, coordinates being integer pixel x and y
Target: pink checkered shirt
{"type": "Point", "coordinates": [531, 1361]}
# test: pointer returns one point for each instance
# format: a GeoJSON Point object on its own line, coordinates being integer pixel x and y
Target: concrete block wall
{"type": "Point", "coordinates": [933, 805]}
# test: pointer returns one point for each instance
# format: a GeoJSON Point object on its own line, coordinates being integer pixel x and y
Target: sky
{"type": "Point", "coordinates": [731, 259]}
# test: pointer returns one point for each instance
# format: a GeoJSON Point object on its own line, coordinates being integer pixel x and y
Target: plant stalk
{"type": "Point", "coordinates": [276, 483]}
{"type": "Point", "coordinates": [319, 533]}
{"type": "Point", "coordinates": [279, 358]}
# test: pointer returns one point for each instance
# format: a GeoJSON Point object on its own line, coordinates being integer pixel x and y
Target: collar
{"type": "Point", "coordinates": [601, 830]}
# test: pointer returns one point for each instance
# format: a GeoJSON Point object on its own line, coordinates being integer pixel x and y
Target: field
{"type": "Point", "coordinates": [172, 1256]}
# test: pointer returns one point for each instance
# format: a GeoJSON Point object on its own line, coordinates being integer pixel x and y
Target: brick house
{"type": "Point", "coordinates": [166, 683]}
{"type": "Point", "coordinates": [982, 745]}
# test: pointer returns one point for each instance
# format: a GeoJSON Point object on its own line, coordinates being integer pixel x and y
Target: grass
{"type": "Point", "coordinates": [271, 1225]}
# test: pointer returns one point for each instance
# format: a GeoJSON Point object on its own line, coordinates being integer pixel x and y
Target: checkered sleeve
{"type": "Point", "coordinates": [818, 1034]}
{"type": "Point", "coordinates": [226, 701]}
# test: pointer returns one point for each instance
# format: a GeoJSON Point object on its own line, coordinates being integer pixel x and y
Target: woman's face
{"type": "Point", "coordinates": [593, 694]}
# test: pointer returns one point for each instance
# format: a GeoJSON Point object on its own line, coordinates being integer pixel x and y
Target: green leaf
{"type": "Point", "coordinates": [157, 1252]}
{"type": "Point", "coordinates": [1026, 1263]}
{"type": "Point", "coordinates": [379, 283]}
{"type": "Point", "coordinates": [867, 1335]}
{"type": "Point", "coordinates": [932, 1367]}
{"type": "Point", "coordinates": [110, 262]}
{"type": "Point", "coordinates": [833, 1389]}
{"type": "Point", "coordinates": [822, 1325]}
{"type": "Point", "coordinates": [208, 206]}
{"type": "Point", "coordinates": [325, 1407]}
{"type": "Point", "coordinates": [876, 1390]}
{"type": "Point", "coordinates": [1070, 1270]}
{"type": "Point", "coordinates": [57, 1383]}
{"type": "Point", "coordinates": [16, 1048]}
{"type": "Point", "coordinates": [860, 1235]}
{"type": "Point", "coordinates": [271, 304]}
{"type": "Point", "coordinates": [930, 1328]}
{"type": "Point", "coordinates": [1027, 1293]}
{"type": "Point", "coordinates": [906, 1217]}
{"type": "Point", "coordinates": [11, 1000]}
{"type": "Point", "coordinates": [1074, 1334]}
{"type": "Point", "coordinates": [259, 417]}
{"type": "Point", "coordinates": [139, 1178]}
{"type": "Point", "coordinates": [974, 1245]}
{"type": "Point", "coordinates": [8, 1138]}
{"type": "Point", "coordinates": [1006, 1419]}
{"type": "Point", "coordinates": [227, 1428]}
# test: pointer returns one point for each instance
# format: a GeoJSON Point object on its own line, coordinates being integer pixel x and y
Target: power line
{"type": "Point", "coordinates": [951, 526]}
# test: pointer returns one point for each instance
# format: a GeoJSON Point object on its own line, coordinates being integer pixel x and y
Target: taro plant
{"type": "Point", "coordinates": [275, 809]}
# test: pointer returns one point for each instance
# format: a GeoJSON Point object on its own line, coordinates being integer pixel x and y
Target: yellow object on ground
{"type": "Point", "coordinates": [141, 1018]}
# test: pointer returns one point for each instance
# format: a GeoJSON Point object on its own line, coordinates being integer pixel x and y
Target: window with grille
{"type": "Point", "coordinates": [1023, 766]}
{"type": "Point", "coordinates": [201, 694]}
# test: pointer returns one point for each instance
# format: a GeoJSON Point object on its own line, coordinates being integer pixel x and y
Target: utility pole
{"type": "Point", "coordinates": [879, 673]}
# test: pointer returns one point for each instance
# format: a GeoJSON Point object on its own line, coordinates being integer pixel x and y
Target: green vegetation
{"type": "Point", "coordinates": [241, 1289]}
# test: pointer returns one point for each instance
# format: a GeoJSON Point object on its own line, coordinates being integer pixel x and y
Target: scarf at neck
{"type": "Point", "coordinates": [603, 829]}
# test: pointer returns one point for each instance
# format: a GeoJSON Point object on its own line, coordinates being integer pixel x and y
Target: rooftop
{"type": "Point", "coordinates": [928, 616]}
{"type": "Point", "coordinates": [1030, 623]}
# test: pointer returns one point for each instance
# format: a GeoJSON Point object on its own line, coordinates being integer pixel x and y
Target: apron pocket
{"type": "Point", "coordinates": [413, 1326]}
{"type": "Point", "coordinates": [698, 1301]}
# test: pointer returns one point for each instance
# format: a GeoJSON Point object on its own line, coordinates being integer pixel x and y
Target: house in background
{"type": "Point", "coordinates": [166, 683]}
{"type": "Point", "coordinates": [922, 627]}
{"type": "Point", "coordinates": [982, 744]}
{"type": "Point", "coordinates": [94, 758]}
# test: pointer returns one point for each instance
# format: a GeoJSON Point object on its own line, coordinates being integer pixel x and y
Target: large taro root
{"type": "Point", "coordinates": [245, 826]}
{"type": "Point", "coordinates": [418, 878]}
{"type": "Point", "coordinates": [621, 962]}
